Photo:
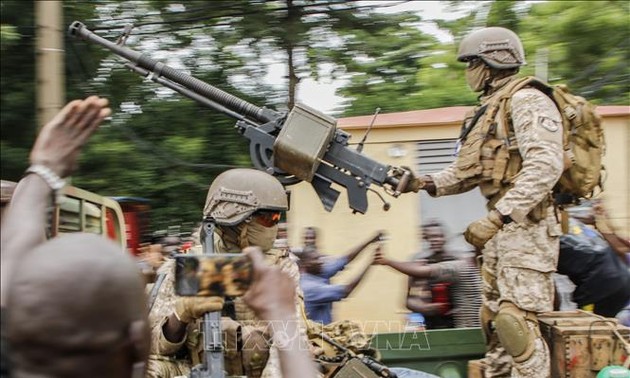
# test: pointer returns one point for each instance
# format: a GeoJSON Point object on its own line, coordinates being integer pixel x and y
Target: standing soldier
{"type": "Point", "coordinates": [246, 206]}
{"type": "Point", "coordinates": [514, 154]}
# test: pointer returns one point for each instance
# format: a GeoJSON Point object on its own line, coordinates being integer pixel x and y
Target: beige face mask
{"type": "Point", "coordinates": [477, 76]}
{"type": "Point", "coordinates": [259, 235]}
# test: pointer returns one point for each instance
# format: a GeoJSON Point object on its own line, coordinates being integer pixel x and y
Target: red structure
{"type": "Point", "coordinates": [136, 213]}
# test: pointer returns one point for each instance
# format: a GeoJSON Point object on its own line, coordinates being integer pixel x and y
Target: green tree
{"type": "Point", "coordinates": [588, 49]}
{"type": "Point", "coordinates": [17, 91]}
{"type": "Point", "coordinates": [588, 46]}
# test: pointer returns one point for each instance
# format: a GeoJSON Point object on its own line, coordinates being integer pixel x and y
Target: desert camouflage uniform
{"type": "Point", "coordinates": [168, 360]}
{"type": "Point", "coordinates": [519, 260]}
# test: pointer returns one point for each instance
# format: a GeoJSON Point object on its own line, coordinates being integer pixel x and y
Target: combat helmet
{"type": "Point", "coordinates": [237, 193]}
{"type": "Point", "coordinates": [497, 47]}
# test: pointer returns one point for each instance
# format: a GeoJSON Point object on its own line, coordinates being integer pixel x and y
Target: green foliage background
{"type": "Point", "coordinates": [166, 148]}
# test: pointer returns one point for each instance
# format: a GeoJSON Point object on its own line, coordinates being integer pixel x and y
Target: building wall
{"type": "Point", "coordinates": [617, 162]}
{"type": "Point", "coordinates": [379, 299]}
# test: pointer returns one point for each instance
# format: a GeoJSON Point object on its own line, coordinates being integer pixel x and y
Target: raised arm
{"type": "Point", "coordinates": [53, 157]}
{"type": "Point", "coordinates": [354, 252]}
{"type": "Point", "coordinates": [415, 269]}
{"type": "Point", "coordinates": [354, 283]}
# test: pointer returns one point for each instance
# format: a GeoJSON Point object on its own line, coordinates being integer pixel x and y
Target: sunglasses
{"type": "Point", "coordinates": [268, 218]}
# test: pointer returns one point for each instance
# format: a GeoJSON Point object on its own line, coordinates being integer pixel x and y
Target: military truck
{"type": "Point", "coordinates": [80, 211]}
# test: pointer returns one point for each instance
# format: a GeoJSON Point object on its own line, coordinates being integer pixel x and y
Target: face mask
{"type": "Point", "coordinates": [477, 76]}
{"type": "Point", "coordinates": [261, 236]}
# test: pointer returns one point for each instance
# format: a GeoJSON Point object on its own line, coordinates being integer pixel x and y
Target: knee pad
{"type": "Point", "coordinates": [514, 333]}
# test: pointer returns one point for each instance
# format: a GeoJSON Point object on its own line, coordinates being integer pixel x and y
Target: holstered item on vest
{"type": "Point", "coordinates": [232, 342]}
{"type": "Point", "coordinates": [468, 162]}
{"type": "Point", "coordinates": [246, 349]}
{"type": "Point", "coordinates": [255, 351]}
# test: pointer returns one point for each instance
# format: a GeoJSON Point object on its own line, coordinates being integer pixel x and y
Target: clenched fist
{"type": "Point", "coordinates": [188, 309]}
{"type": "Point", "coordinates": [480, 231]}
{"type": "Point", "coordinates": [414, 184]}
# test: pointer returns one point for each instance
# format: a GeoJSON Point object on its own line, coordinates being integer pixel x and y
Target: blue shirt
{"type": "Point", "coordinates": [319, 293]}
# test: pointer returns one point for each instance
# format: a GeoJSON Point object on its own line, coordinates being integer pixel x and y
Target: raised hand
{"type": "Point", "coordinates": [272, 293]}
{"type": "Point", "coordinates": [60, 140]}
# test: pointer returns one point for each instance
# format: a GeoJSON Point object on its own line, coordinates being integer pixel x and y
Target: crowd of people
{"type": "Point", "coordinates": [76, 305]}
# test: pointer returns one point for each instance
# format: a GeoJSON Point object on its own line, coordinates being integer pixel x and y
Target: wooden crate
{"type": "Point", "coordinates": [581, 343]}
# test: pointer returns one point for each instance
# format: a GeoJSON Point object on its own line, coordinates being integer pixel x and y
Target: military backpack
{"type": "Point", "coordinates": [583, 137]}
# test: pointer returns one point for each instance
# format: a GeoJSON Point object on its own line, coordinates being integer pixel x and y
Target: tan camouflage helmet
{"type": "Point", "coordinates": [497, 47]}
{"type": "Point", "coordinates": [237, 193]}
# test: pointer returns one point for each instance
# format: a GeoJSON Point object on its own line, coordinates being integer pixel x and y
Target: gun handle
{"type": "Point", "coordinates": [402, 183]}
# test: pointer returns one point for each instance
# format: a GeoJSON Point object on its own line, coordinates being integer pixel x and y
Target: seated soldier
{"type": "Point", "coordinates": [246, 206]}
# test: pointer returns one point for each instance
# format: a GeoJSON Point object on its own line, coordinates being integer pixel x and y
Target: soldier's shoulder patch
{"type": "Point", "coordinates": [549, 123]}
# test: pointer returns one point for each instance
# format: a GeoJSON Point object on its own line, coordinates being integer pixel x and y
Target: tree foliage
{"type": "Point", "coordinates": [588, 48]}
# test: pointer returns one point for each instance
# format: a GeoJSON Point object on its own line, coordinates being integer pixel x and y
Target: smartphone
{"type": "Point", "coordinates": [217, 275]}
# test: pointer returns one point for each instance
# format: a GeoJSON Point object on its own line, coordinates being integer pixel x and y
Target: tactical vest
{"type": "Point", "coordinates": [489, 154]}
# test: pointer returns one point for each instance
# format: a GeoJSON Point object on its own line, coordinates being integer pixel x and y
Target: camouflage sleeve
{"type": "Point", "coordinates": [447, 270]}
{"type": "Point", "coordinates": [447, 183]}
{"type": "Point", "coordinates": [162, 308]}
{"type": "Point", "coordinates": [538, 130]}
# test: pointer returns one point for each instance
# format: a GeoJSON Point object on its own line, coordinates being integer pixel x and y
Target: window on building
{"type": "Point", "coordinates": [454, 212]}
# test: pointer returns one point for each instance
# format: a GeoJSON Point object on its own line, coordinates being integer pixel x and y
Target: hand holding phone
{"type": "Point", "coordinates": [218, 275]}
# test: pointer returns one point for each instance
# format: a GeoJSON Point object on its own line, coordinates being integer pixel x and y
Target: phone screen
{"type": "Point", "coordinates": [218, 275]}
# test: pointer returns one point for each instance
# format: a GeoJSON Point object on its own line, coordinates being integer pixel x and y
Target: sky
{"type": "Point", "coordinates": [321, 95]}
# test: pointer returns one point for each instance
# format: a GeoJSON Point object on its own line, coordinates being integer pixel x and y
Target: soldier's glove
{"type": "Point", "coordinates": [188, 309]}
{"type": "Point", "coordinates": [480, 231]}
{"type": "Point", "coordinates": [414, 184]}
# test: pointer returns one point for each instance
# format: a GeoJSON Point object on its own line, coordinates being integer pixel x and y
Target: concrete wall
{"type": "Point", "coordinates": [379, 300]}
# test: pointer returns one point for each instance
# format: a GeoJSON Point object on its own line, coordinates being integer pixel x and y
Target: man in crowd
{"type": "Point", "coordinates": [245, 206]}
{"type": "Point", "coordinates": [282, 240]}
{"type": "Point", "coordinates": [317, 270]}
{"type": "Point", "coordinates": [153, 255]}
{"type": "Point", "coordinates": [444, 288]}
{"type": "Point", "coordinates": [515, 160]}
{"type": "Point", "coordinates": [595, 264]}
{"type": "Point", "coordinates": [74, 293]}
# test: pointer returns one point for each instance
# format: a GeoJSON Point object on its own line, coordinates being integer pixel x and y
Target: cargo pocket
{"type": "Point", "coordinates": [468, 161]}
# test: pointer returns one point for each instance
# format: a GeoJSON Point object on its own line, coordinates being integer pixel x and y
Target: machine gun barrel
{"type": "Point", "coordinates": [79, 30]}
{"type": "Point", "coordinates": [303, 145]}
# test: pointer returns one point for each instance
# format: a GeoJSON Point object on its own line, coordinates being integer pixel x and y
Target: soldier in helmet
{"type": "Point", "coordinates": [515, 160]}
{"type": "Point", "coordinates": [246, 206]}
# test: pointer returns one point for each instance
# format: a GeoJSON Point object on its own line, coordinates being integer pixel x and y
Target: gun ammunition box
{"type": "Point", "coordinates": [581, 344]}
{"type": "Point", "coordinates": [303, 141]}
